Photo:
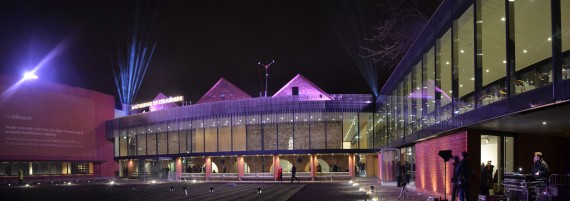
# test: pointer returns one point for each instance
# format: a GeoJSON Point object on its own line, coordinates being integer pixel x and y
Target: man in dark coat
{"type": "Point", "coordinates": [454, 186]}
{"type": "Point", "coordinates": [539, 168]}
{"type": "Point", "coordinates": [464, 177]}
{"type": "Point", "coordinates": [293, 172]}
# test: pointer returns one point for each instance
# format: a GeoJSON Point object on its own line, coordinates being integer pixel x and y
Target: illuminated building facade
{"type": "Point", "coordinates": [229, 135]}
{"type": "Point", "coordinates": [53, 132]}
{"type": "Point", "coordinates": [486, 77]}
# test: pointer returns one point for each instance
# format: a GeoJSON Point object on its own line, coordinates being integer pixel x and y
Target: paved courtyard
{"type": "Point", "coordinates": [125, 191]}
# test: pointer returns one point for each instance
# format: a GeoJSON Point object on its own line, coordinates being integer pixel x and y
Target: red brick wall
{"type": "Point", "coordinates": [430, 167]}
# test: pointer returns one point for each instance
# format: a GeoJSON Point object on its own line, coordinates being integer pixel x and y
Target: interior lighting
{"type": "Point", "coordinates": [544, 123]}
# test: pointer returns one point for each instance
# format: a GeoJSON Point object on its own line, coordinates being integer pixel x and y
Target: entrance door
{"type": "Point", "coordinates": [497, 157]}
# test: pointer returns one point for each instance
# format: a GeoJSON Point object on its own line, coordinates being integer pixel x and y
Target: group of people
{"type": "Point", "coordinates": [293, 173]}
{"type": "Point", "coordinates": [488, 178]}
{"type": "Point", "coordinates": [194, 169]}
{"type": "Point", "coordinates": [462, 171]}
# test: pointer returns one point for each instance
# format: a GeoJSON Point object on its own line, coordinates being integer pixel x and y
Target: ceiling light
{"type": "Point", "coordinates": [544, 123]}
{"type": "Point", "coordinates": [503, 19]}
{"type": "Point", "coordinates": [524, 51]}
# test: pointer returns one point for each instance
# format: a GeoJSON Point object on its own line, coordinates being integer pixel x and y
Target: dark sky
{"type": "Point", "coordinates": [199, 42]}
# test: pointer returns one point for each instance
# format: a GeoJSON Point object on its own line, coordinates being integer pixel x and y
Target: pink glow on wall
{"type": "Point", "coordinates": [52, 122]}
{"type": "Point", "coordinates": [307, 90]}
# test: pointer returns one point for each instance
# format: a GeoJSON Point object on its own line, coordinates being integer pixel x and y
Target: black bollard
{"type": "Point", "coordinates": [134, 187]}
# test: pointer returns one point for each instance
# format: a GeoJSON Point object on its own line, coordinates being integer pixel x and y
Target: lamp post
{"type": "Point", "coordinates": [266, 73]}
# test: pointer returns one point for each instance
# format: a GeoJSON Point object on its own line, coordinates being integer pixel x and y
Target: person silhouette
{"type": "Point", "coordinates": [293, 172]}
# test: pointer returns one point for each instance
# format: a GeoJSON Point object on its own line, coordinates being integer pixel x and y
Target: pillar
{"type": "Point", "coordinates": [240, 167]}
{"type": "Point", "coordinates": [276, 166]}
{"type": "Point", "coordinates": [351, 165]}
{"type": "Point", "coordinates": [131, 168]}
{"type": "Point", "coordinates": [314, 161]}
{"type": "Point", "coordinates": [208, 168]}
{"type": "Point", "coordinates": [178, 168]}
{"type": "Point", "coordinates": [380, 167]}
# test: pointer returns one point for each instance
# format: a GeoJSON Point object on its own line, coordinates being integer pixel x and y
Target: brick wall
{"type": "Point", "coordinates": [430, 167]}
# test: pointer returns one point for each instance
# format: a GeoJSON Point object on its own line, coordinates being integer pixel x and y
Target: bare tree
{"type": "Point", "coordinates": [397, 30]}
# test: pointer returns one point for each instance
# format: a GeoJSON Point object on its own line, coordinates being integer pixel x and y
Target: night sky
{"type": "Point", "coordinates": [199, 42]}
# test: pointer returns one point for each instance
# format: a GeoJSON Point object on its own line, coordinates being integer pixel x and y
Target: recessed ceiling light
{"type": "Point", "coordinates": [544, 123]}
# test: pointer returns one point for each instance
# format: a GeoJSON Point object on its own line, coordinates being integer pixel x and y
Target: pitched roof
{"type": "Point", "coordinates": [223, 90]}
{"type": "Point", "coordinates": [307, 90]}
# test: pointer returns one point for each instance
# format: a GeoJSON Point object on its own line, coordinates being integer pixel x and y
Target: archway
{"type": "Point", "coordinates": [285, 164]}
{"type": "Point", "coordinates": [324, 166]}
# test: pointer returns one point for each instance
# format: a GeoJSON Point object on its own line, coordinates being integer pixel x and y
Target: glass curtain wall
{"type": "Point", "coordinates": [465, 62]}
{"type": "Point", "coordinates": [350, 130]}
{"type": "Point", "coordinates": [565, 37]}
{"type": "Point", "coordinates": [418, 95]}
{"type": "Point", "coordinates": [533, 49]}
{"type": "Point", "coordinates": [429, 86]}
{"type": "Point", "coordinates": [141, 141]}
{"type": "Point", "coordinates": [445, 76]}
{"type": "Point", "coordinates": [493, 51]}
{"type": "Point", "coordinates": [408, 98]}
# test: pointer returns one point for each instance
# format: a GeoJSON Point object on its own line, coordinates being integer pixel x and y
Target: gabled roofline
{"type": "Point", "coordinates": [299, 76]}
{"type": "Point", "coordinates": [218, 83]}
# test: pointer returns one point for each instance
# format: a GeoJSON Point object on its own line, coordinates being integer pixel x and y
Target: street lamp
{"type": "Point", "coordinates": [266, 73]}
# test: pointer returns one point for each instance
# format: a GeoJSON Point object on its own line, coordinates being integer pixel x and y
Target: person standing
{"type": "Point", "coordinates": [464, 177]}
{"type": "Point", "coordinates": [280, 174]}
{"type": "Point", "coordinates": [454, 186]}
{"type": "Point", "coordinates": [293, 172]}
{"type": "Point", "coordinates": [21, 177]}
{"type": "Point", "coordinates": [539, 168]}
{"type": "Point", "coordinates": [483, 188]}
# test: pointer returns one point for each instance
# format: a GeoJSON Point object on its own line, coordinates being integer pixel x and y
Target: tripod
{"type": "Point", "coordinates": [404, 193]}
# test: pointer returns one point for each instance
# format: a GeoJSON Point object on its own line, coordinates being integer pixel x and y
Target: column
{"type": "Point", "coordinates": [276, 166]}
{"type": "Point", "coordinates": [313, 161]}
{"type": "Point", "coordinates": [380, 167]}
{"type": "Point", "coordinates": [351, 165]}
{"type": "Point", "coordinates": [178, 168]}
{"type": "Point", "coordinates": [130, 168]}
{"type": "Point", "coordinates": [240, 167]}
{"type": "Point", "coordinates": [208, 168]}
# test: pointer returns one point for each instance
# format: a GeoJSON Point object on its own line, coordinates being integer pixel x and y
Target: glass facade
{"type": "Point", "coordinates": [9, 168]}
{"type": "Point", "coordinates": [480, 54]}
{"type": "Point", "coordinates": [258, 132]}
